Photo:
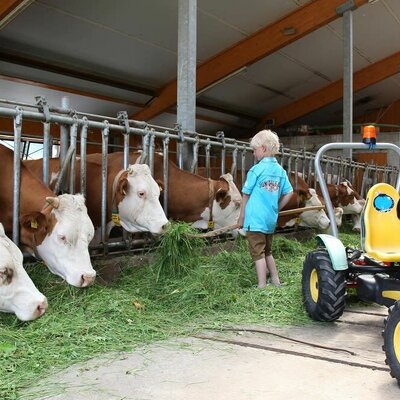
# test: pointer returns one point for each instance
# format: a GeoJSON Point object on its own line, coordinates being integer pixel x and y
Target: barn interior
{"type": "Point", "coordinates": [277, 64]}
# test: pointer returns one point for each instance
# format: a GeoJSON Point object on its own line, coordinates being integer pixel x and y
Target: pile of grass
{"type": "Point", "coordinates": [180, 294]}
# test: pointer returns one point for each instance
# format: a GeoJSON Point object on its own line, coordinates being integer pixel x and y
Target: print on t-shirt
{"type": "Point", "coordinates": [270, 185]}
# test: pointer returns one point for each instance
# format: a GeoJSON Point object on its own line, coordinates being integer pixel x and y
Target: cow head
{"type": "Point", "coordinates": [226, 205]}
{"type": "Point", "coordinates": [60, 236]}
{"type": "Point", "coordinates": [338, 212]}
{"type": "Point", "coordinates": [348, 199]}
{"type": "Point", "coordinates": [314, 218]}
{"type": "Point", "coordinates": [18, 294]}
{"type": "Point", "coordinates": [357, 217]}
{"type": "Point", "coordinates": [137, 198]}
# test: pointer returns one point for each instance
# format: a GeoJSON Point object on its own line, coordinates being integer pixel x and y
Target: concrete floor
{"type": "Point", "coordinates": [343, 360]}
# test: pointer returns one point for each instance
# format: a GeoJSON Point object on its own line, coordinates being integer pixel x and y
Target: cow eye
{"type": "Point", "coordinates": [62, 238]}
{"type": "Point", "coordinates": [6, 275]}
{"type": "Point", "coordinates": [141, 194]}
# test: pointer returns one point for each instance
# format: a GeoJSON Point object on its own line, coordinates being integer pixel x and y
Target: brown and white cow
{"type": "Point", "coordinates": [56, 229]}
{"type": "Point", "coordinates": [193, 198]}
{"type": "Point", "coordinates": [132, 194]}
{"type": "Point", "coordinates": [303, 196]}
{"type": "Point", "coordinates": [343, 195]}
{"type": "Point", "coordinates": [18, 294]}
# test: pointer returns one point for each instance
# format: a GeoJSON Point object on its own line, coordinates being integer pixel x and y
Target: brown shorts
{"type": "Point", "coordinates": [260, 244]}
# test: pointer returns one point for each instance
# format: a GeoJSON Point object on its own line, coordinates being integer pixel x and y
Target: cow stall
{"type": "Point", "coordinates": [76, 135]}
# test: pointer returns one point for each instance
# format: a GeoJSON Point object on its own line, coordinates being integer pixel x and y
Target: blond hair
{"type": "Point", "coordinates": [266, 138]}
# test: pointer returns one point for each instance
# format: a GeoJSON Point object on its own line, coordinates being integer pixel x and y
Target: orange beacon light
{"type": "Point", "coordinates": [369, 135]}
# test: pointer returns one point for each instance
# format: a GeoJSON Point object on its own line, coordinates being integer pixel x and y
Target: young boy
{"type": "Point", "coordinates": [266, 191]}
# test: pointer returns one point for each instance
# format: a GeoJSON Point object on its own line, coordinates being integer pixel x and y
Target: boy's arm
{"type": "Point", "coordinates": [240, 221]}
{"type": "Point", "coordinates": [284, 200]}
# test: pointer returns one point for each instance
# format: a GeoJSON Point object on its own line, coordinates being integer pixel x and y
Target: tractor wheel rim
{"type": "Point", "coordinates": [314, 285]}
{"type": "Point", "coordinates": [396, 341]}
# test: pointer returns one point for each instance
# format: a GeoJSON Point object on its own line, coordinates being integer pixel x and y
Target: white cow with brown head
{"type": "Point", "coordinates": [18, 294]}
{"type": "Point", "coordinates": [56, 229]}
{"type": "Point", "coordinates": [60, 235]}
{"type": "Point", "coordinates": [132, 194]}
{"type": "Point", "coordinates": [139, 208]}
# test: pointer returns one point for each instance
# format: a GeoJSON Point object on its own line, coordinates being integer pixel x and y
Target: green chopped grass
{"type": "Point", "coordinates": [181, 293]}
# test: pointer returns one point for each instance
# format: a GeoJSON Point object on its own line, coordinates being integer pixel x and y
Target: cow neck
{"type": "Point", "coordinates": [46, 210]}
{"type": "Point", "coordinates": [210, 224]}
{"type": "Point", "coordinates": [114, 208]}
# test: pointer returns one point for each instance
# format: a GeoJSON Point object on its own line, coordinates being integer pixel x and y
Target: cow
{"type": "Point", "coordinates": [132, 194]}
{"type": "Point", "coordinates": [56, 229]}
{"type": "Point", "coordinates": [193, 198]}
{"type": "Point", "coordinates": [343, 195]}
{"type": "Point", "coordinates": [18, 294]}
{"type": "Point", "coordinates": [356, 218]}
{"type": "Point", "coordinates": [303, 196]}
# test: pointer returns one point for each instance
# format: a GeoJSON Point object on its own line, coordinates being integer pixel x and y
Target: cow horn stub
{"type": "Point", "coordinates": [53, 201]}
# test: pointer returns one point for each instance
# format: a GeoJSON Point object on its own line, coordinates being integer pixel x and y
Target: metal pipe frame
{"type": "Point", "coordinates": [17, 174]}
{"type": "Point", "coordinates": [318, 170]}
{"type": "Point", "coordinates": [104, 173]}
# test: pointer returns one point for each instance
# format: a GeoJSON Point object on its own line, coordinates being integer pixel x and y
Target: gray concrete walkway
{"type": "Point", "coordinates": [343, 361]}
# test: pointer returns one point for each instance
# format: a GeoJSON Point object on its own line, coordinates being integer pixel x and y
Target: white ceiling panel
{"type": "Point", "coordinates": [25, 93]}
{"type": "Point", "coordinates": [247, 17]}
{"type": "Point", "coordinates": [46, 33]}
{"type": "Point", "coordinates": [35, 75]}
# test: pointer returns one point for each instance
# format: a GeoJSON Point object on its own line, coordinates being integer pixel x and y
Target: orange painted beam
{"type": "Point", "coordinates": [268, 40]}
{"type": "Point", "coordinates": [363, 78]}
{"type": "Point", "coordinates": [10, 8]}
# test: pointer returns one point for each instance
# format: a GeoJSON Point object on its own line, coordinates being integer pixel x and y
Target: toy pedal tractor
{"type": "Point", "coordinates": [374, 272]}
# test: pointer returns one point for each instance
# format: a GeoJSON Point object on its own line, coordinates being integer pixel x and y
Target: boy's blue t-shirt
{"type": "Point", "coordinates": [265, 183]}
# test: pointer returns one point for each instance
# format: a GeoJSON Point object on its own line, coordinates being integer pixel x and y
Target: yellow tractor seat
{"type": "Point", "coordinates": [381, 224]}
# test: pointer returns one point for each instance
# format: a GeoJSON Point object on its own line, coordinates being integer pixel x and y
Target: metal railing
{"type": "Point", "coordinates": [211, 154]}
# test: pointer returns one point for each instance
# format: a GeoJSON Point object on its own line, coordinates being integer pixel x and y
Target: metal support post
{"type": "Point", "coordinates": [17, 174]}
{"type": "Point", "coordinates": [83, 155]}
{"type": "Point", "coordinates": [186, 85]}
{"type": "Point", "coordinates": [124, 121]}
{"type": "Point", "coordinates": [104, 174]}
{"type": "Point", "coordinates": [346, 9]}
{"type": "Point", "coordinates": [73, 136]}
{"type": "Point", "coordinates": [165, 172]}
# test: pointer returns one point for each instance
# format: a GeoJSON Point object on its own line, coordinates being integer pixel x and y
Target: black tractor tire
{"type": "Point", "coordinates": [324, 289]}
{"type": "Point", "coordinates": [391, 340]}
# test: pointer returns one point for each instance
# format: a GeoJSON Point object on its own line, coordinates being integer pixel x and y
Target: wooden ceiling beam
{"type": "Point", "coordinates": [9, 9]}
{"type": "Point", "coordinates": [363, 78]}
{"type": "Point", "coordinates": [268, 40]}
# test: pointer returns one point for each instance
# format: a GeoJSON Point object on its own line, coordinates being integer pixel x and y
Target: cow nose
{"type": "Point", "coordinates": [87, 280]}
{"type": "Point", "coordinates": [165, 227]}
{"type": "Point", "coordinates": [42, 307]}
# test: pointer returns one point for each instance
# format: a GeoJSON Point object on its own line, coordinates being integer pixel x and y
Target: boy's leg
{"type": "Point", "coordinates": [261, 269]}
{"type": "Point", "coordinates": [270, 263]}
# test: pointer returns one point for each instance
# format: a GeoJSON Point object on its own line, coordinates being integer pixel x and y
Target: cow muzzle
{"type": "Point", "coordinates": [41, 308]}
{"type": "Point", "coordinates": [87, 279]}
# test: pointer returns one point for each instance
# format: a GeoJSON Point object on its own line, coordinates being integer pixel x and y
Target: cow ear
{"type": "Point", "coordinates": [123, 186]}
{"type": "Point", "coordinates": [303, 196]}
{"type": "Point", "coordinates": [34, 222]}
{"type": "Point", "coordinates": [6, 275]}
